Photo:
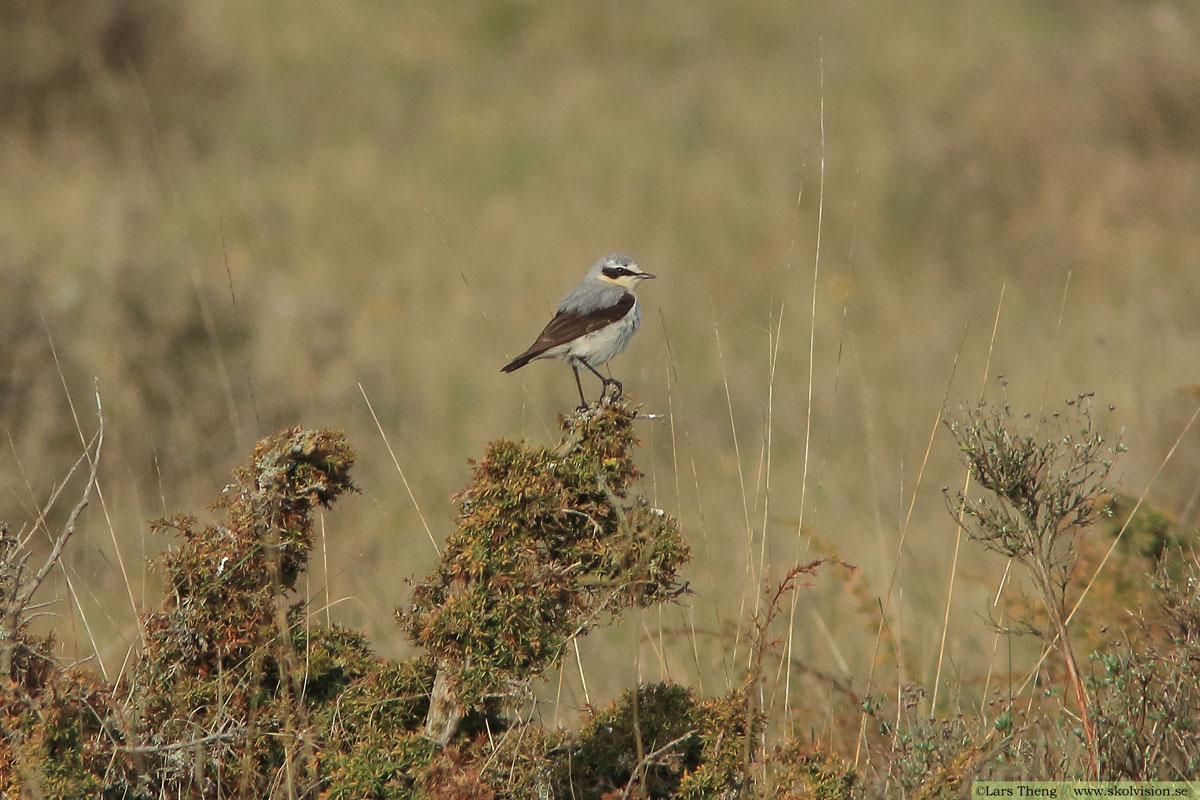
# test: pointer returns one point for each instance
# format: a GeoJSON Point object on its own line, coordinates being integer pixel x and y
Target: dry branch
{"type": "Point", "coordinates": [19, 591]}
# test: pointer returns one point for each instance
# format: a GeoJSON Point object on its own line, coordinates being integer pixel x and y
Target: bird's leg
{"type": "Point", "coordinates": [606, 381]}
{"type": "Point", "coordinates": [578, 384]}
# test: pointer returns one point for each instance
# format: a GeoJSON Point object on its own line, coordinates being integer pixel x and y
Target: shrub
{"type": "Point", "coordinates": [549, 544]}
{"type": "Point", "coordinates": [1147, 687]}
{"type": "Point", "coordinates": [1047, 485]}
{"type": "Point", "coordinates": [218, 692]}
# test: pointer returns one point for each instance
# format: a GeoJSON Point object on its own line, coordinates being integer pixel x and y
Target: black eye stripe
{"type": "Point", "coordinates": [617, 272]}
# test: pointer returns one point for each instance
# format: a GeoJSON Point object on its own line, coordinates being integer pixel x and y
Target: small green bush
{"type": "Point", "coordinates": [549, 544]}
{"type": "Point", "coordinates": [220, 667]}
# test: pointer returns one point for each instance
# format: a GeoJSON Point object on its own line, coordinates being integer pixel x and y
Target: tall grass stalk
{"type": "Point", "coordinates": [403, 478]}
{"type": "Point", "coordinates": [99, 493]}
{"type": "Point", "coordinates": [937, 678]}
{"type": "Point", "coordinates": [887, 598]}
{"type": "Point", "coordinates": [808, 411]}
{"type": "Point", "coordinates": [737, 454]}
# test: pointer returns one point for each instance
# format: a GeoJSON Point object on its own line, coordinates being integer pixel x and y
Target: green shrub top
{"type": "Point", "coordinates": [549, 543]}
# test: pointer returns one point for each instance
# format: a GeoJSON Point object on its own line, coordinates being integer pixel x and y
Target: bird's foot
{"type": "Point", "coordinates": [605, 395]}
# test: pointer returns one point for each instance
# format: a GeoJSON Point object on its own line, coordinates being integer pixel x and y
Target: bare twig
{"type": "Point", "coordinates": [649, 759]}
{"type": "Point", "coordinates": [24, 596]}
{"type": "Point", "coordinates": [23, 591]}
{"type": "Point", "coordinates": [166, 748]}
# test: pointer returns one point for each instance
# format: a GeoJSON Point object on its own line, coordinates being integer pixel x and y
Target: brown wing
{"type": "Point", "coordinates": [570, 325]}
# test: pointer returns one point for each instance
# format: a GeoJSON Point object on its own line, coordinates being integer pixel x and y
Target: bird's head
{"type": "Point", "coordinates": [619, 269]}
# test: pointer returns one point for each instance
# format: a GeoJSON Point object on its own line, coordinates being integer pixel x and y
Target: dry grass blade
{"type": "Point", "coordinates": [673, 382]}
{"type": "Point", "coordinates": [1141, 499]}
{"type": "Point", "coordinates": [103, 504]}
{"type": "Point", "coordinates": [737, 456]}
{"type": "Point", "coordinates": [883, 607]}
{"type": "Point", "coordinates": [15, 611]}
{"type": "Point", "coordinates": [1033, 672]}
{"type": "Point", "coordinates": [407, 488]}
{"type": "Point", "coordinates": [937, 679]}
{"type": "Point", "coordinates": [808, 410]}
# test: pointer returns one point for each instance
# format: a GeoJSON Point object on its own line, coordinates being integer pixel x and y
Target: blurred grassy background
{"type": "Point", "coordinates": [233, 214]}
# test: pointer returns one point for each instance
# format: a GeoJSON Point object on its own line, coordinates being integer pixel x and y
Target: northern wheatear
{"type": "Point", "coordinates": [595, 321]}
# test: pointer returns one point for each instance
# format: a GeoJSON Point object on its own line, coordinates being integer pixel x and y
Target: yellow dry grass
{"type": "Point", "coordinates": [396, 194]}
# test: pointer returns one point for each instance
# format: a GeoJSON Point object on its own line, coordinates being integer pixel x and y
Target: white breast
{"type": "Point", "coordinates": [599, 346]}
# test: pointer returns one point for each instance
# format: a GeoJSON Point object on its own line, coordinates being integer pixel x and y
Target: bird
{"type": "Point", "coordinates": [594, 322]}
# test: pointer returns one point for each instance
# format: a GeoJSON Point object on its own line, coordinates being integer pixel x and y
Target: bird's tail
{"type": "Point", "coordinates": [520, 361]}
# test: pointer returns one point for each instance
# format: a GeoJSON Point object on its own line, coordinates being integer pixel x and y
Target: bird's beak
{"type": "Point", "coordinates": [645, 275]}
